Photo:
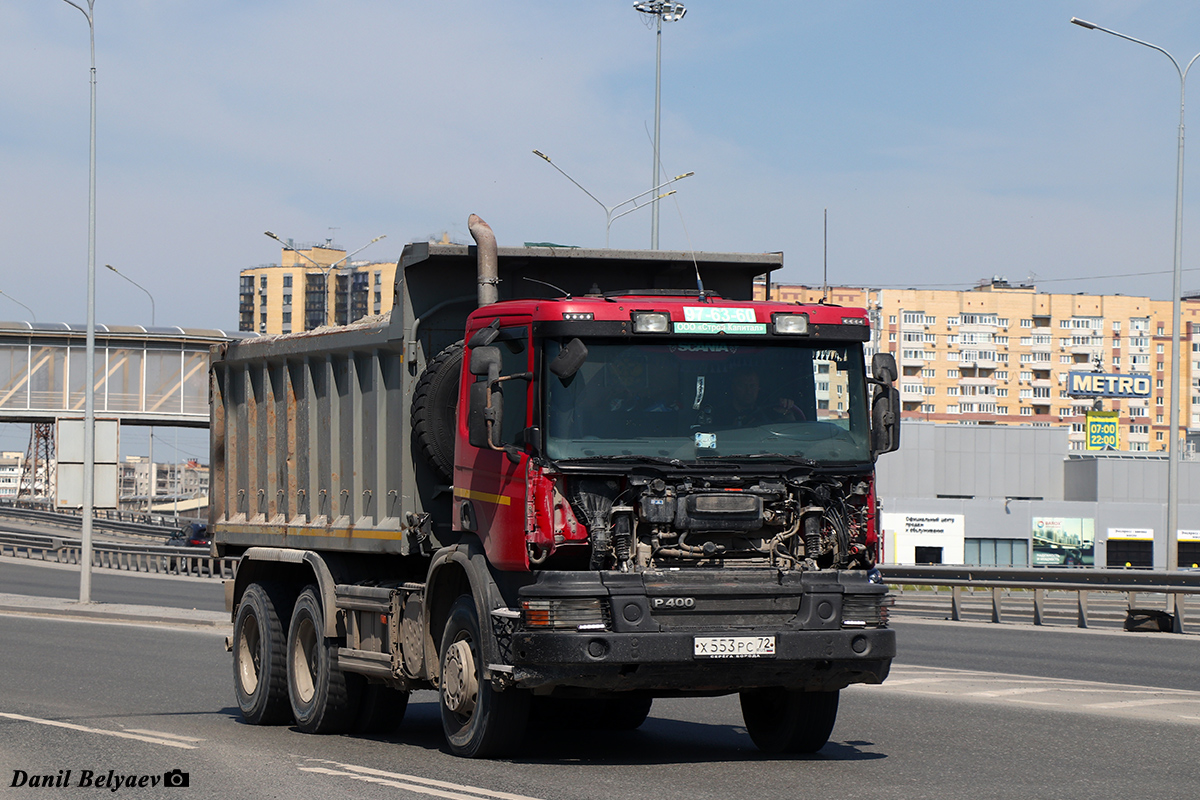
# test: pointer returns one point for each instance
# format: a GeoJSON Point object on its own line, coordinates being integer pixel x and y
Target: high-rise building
{"type": "Point", "coordinates": [1001, 354]}
{"type": "Point", "coordinates": [296, 295]}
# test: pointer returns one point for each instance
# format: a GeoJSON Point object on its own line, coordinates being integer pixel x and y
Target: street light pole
{"type": "Point", "coordinates": [1177, 290]}
{"type": "Point", "coordinates": [22, 305]}
{"type": "Point", "coordinates": [608, 210]}
{"type": "Point", "coordinates": [89, 394]}
{"type": "Point", "coordinates": [669, 11]}
{"type": "Point", "coordinates": [329, 307]}
{"type": "Point", "coordinates": [150, 446]}
{"type": "Point", "coordinates": [138, 285]}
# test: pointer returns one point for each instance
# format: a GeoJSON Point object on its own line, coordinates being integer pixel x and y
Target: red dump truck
{"type": "Point", "coordinates": [554, 484]}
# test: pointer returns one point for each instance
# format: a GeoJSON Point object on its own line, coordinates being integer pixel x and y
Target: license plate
{"type": "Point", "coordinates": [733, 647]}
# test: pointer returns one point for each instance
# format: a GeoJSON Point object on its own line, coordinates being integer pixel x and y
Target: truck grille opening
{"type": "Point", "coordinates": [570, 613]}
{"type": "Point", "coordinates": [866, 610]}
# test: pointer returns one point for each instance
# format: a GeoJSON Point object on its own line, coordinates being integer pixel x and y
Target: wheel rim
{"type": "Point", "coordinates": [460, 688]}
{"type": "Point", "coordinates": [249, 654]}
{"type": "Point", "coordinates": [304, 659]}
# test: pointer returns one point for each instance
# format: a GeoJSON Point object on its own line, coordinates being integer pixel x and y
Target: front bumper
{"type": "Point", "coordinates": [651, 648]}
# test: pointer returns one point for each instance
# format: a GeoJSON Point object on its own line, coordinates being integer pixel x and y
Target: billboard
{"type": "Point", "coordinates": [1102, 384]}
{"type": "Point", "coordinates": [924, 538]}
{"type": "Point", "coordinates": [1103, 432]}
{"type": "Point", "coordinates": [1063, 541]}
{"type": "Point", "coordinates": [70, 463]}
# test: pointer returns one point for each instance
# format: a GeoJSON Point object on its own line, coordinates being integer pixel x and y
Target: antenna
{"type": "Point", "coordinates": [566, 295]}
{"type": "Point", "coordinates": [687, 235]}
{"type": "Point", "coordinates": [825, 268]}
{"type": "Point", "coordinates": [696, 264]}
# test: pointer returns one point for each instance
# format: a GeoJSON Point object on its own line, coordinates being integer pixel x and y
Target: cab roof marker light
{"type": "Point", "coordinates": [651, 322]}
{"type": "Point", "coordinates": [790, 324]}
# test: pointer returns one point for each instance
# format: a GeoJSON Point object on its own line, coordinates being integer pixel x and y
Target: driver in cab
{"type": "Point", "coordinates": [746, 408]}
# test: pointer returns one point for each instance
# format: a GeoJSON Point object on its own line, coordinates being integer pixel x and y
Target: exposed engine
{"type": "Point", "coordinates": [640, 522]}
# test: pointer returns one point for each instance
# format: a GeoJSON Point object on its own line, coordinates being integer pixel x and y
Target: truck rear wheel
{"type": "Point", "coordinates": [323, 698]}
{"type": "Point", "coordinates": [479, 721]}
{"type": "Point", "coordinates": [259, 656]}
{"type": "Point", "coordinates": [789, 721]}
{"type": "Point", "coordinates": [434, 409]}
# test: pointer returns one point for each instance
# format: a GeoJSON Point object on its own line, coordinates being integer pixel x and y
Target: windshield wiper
{"type": "Point", "coordinates": [636, 459]}
{"type": "Point", "coordinates": [805, 462]}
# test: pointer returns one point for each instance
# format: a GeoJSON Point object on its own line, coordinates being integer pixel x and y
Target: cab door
{"type": "Point", "coordinates": [489, 485]}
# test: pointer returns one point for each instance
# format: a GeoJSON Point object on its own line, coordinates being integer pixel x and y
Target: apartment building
{"type": "Point", "coordinates": [12, 464]}
{"type": "Point", "coordinates": [1001, 353]}
{"type": "Point", "coordinates": [136, 473]}
{"type": "Point", "coordinates": [310, 287]}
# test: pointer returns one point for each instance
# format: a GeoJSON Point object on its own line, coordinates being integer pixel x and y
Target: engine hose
{"type": "Point", "coordinates": [841, 532]}
{"type": "Point", "coordinates": [601, 540]}
{"type": "Point", "coordinates": [813, 517]}
{"type": "Point", "coordinates": [706, 549]}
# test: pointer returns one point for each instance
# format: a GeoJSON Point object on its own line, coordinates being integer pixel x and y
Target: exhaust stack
{"type": "Point", "coordinates": [489, 266]}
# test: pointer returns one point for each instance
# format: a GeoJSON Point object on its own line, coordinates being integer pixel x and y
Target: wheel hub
{"type": "Point", "coordinates": [459, 685]}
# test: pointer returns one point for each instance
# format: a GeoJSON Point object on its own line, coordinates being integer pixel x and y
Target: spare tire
{"type": "Point", "coordinates": [434, 406]}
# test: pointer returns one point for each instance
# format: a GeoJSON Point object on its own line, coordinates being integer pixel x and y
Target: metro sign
{"type": "Point", "coordinates": [1100, 384]}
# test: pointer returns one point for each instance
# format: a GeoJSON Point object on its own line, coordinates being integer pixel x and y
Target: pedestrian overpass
{"type": "Point", "coordinates": [142, 376]}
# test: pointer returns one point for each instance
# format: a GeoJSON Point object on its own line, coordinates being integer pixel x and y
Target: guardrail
{"type": "Point", "coordinates": [158, 559]}
{"type": "Point", "coordinates": [127, 522]}
{"type": "Point", "coordinates": [1039, 580]}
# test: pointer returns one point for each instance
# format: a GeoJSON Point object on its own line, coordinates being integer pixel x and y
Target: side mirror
{"type": "Point", "coordinates": [883, 368]}
{"type": "Point", "coordinates": [569, 359]}
{"type": "Point", "coordinates": [885, 419]}
{"type": "Point", "coordinates": [479, 414]}
{"type": "Point", "coordinates": [485, 362]}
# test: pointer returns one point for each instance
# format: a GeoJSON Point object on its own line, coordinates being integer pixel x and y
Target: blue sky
{"type": "Point", "coordinates": [950, 141]}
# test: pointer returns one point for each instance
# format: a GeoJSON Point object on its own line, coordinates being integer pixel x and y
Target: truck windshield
{"type": "Point", "coordinates": [692, 400]}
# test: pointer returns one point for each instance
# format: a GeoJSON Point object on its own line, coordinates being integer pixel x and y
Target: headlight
{"type": "Point", "coordinates": [790, 323]}
{"type": "Point", "coordinates": [651, 322]}
{"type": "Point", "coordinates": [575, 613]}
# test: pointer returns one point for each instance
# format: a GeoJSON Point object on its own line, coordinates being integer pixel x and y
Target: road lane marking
{"type": "Point", "coordinates": [1063, 694]}
{"type": "Point", "coordinates": [1164, 701]}
{"type": "Point", "coordinates": [165, 735]}
{"type": "Point", "coordinates": [1008, 692]}
{"type": "Point", "coordinates": [119, 734]}
{"type": "Point", "coordinates": [393, 784]}
{"type": "Point", "coordinates": [413, 783]}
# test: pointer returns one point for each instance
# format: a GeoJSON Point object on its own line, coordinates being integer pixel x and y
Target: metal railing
{"type": "Point", "coordinates": [135, 523]}
{"type": "Point", "coordinates": [156, 559]}
{"type": "Point", "coordinates": [1037, 581]}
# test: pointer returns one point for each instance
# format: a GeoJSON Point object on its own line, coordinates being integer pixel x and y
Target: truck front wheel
{"type": "Point", "coordinates": [479, 721]}
{"type": "Point", "coordinates": [259, 655]}
{"type": "Point", "coordinates": [789, 721]}
{"type": "Point", "coordinates": [324, 699]}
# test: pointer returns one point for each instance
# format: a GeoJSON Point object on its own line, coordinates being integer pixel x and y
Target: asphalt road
{"type": "Point", "coordinates": [40, 579]}
{"type": "Point", "coordinates": [969, 711]}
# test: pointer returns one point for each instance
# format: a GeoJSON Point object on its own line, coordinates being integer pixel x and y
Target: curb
{"type": "Point", "coordinates": [29, 606]}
